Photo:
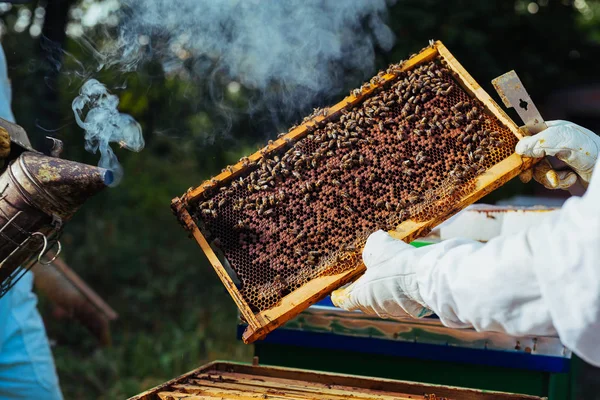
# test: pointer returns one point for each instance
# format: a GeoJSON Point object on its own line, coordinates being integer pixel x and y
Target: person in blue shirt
{"type": "Point", "coordinates": [27, 368]}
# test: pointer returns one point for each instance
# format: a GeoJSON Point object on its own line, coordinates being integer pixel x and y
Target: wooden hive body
{"type": "Point", "coordinates": [225, 380]}
{"type": "Point", "coordinates": [262, 321]}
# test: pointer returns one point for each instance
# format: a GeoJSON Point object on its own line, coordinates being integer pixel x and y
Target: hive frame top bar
{"type": "Point", "coordinates": [261, 323]}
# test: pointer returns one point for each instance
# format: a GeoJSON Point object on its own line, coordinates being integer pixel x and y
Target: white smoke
{"type": "Point", "coordinates": [290, 51]}
{"type": "Point", "coordinates": [96, 112]}
{"type": "Point", "coordinates": [298, 47]}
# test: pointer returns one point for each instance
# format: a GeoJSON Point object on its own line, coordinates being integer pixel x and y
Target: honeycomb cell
{"type": "Point", "coordinates": [409, 151]}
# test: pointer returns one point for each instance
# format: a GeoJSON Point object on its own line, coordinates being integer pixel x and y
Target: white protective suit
{"type": "Point", "coordinates": [542, 281]}
{"type": "Point", "coordinates": [26, 366]}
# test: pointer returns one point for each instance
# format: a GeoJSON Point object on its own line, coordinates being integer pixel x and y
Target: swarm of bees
{"type": "Point", "coordinates": [303, 212]}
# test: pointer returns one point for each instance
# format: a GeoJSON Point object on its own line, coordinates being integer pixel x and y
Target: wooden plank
{"type": "Point", "coordinates": [298, 392]}
{"type": "Point", "coordinates": [150, 393]}
{"type": "Point", "coordinates": [228, 380]}
{"type": "Point", "coordinates": [267, 373]}
{"type": "Point", "coordinates": [231, 391]}
{"type": "Point", "coordinates": [308, 389]}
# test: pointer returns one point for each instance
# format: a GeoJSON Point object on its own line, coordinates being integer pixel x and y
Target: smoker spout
{"type": "Point", "coordinates": [56, 186]}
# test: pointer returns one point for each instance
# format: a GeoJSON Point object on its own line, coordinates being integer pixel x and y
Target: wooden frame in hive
{"type": "Point", "coordinates": [263, 322]}
{"type": "Point", "coordinates": [228, 380]}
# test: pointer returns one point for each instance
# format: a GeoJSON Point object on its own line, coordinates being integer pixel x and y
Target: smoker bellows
{"type": "Point", "coordinates": [38, 194]}
{"type": "Point", "coordinates": [409, 149]}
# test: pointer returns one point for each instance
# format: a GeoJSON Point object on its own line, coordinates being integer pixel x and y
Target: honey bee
{"type": "Point", "coordinates": [413, 199]}
{"type": "Point", "coordinates": [350, 247]}
{"type": "Point", "coordinates": [297, 174]}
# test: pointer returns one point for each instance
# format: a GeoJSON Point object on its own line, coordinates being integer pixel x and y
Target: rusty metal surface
{"type": "Point", "coordinates": [37, 195]}
{"type": "Point", "coordinates": [58, 186]}
{"type": "Point", "coordinates": [225, 380]}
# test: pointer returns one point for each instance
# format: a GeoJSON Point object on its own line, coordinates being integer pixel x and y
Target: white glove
{"type": "Point", "coordinates": [389, 286]}
{"type": "Point", "coordinates": [574, 145]}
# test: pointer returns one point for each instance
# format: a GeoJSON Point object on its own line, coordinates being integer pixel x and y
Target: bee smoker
{"type": "Point", "coordinates": [38, 194]}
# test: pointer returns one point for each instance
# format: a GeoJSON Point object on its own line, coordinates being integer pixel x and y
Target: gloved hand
{"type": "Point", "coordinates": [389, 287]}
{"type": "Point", "coordinates": [574, 145]}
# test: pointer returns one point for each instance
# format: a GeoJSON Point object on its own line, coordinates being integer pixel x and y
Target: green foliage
{"type": "Point", "coordinates": [174, 313]}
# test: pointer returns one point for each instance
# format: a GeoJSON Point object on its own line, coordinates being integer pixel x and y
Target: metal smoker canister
{"type": "Point", "coordinates": [38, 194]}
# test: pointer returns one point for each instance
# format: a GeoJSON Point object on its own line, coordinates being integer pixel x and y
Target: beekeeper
{"type": "Point", "coordinates": [542, 281]}
{"type": "Point", "coordinates": [26, 365]}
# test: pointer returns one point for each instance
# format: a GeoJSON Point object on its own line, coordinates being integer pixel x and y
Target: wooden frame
{"type": "Point", "coordinates": [260, 324]}
{"type": "Point", "coordinates": [219, 380]}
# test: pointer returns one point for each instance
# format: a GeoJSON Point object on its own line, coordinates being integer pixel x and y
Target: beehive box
{"type": "Point", "coordinates": [286, 225]}
{"type": "Point", "coordinates": [224, 380]}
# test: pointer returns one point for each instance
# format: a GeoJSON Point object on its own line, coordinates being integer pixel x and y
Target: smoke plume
{"type": "Point", "coordinates": [291, 52]}
{"type": "Point", "coordinates": [96, 112]}
{"type": "Point", "coordinates": [299, 46]}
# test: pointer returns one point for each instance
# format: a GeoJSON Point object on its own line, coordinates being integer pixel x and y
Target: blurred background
{"type": "Point", "coordinates": [174, 315]}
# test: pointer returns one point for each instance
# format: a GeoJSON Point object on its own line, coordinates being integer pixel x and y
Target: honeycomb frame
{"type": "Point", "coordinates": [260, 322]}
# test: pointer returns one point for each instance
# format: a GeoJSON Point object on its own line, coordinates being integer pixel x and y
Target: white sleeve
{"type": "Point", "coordinates": [542, 281]}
